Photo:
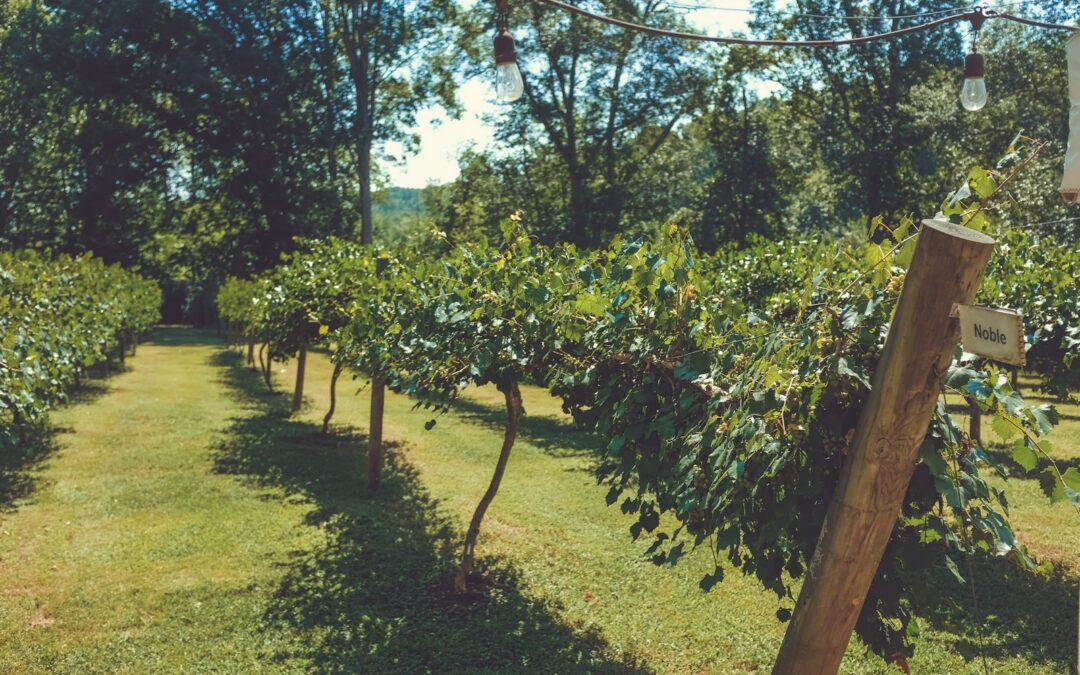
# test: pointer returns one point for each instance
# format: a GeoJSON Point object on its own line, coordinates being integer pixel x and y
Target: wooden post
{"type": "Point", "coordinates": [947, 267]}
{"type": "Point", "coordinates": [975, 423]}
{"type": "Point", "coordinates": [375, 449]}
{"type": "Point", "coordinates": [375, 419]}
{"type": "Point", "coordinates": [298, 392]}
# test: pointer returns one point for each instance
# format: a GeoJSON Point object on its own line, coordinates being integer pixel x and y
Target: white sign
{"type": "Point", "coordinates": [997, 334]}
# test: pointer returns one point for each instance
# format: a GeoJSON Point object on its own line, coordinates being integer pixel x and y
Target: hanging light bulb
{"type": "Point", "coordinates": [973, 93]}
{"type": "Point", "coordinates": [508, 83]}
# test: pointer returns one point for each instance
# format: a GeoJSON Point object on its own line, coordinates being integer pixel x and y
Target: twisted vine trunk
{"type": "Point", "coordinates": [512, 394]}
{"type": "Point", "coordinates": [264, 366]}
{"type": "Point", "coordinates": [338, 367]}
{"type": "Point", "coordinates": [375, 449]}
{"type": "Point", "coordinates": [301, 365]}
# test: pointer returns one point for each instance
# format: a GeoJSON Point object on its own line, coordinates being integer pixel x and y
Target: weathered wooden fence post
{"type": "Point", "coordinates": [947, 268]}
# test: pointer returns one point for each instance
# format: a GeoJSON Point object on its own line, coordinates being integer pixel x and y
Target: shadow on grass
{"type": "Point", "coordinates": [20, 457]}
{"type": "Point", "coordinates": [556, 437]}
{"type": "Point", "coordinates": [24, 449]}
{"type": "Point", "coordinates": [375, 597]}
{"type": "Point", "coordinates": [1020, 612]}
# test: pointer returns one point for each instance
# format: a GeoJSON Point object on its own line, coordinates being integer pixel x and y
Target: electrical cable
{"type": "Point", "coordinates": [1030, 22]}
{"type": "Point", "coordinates": [798, 15]}
{"type": "Point", "coordinates": [976, 16]}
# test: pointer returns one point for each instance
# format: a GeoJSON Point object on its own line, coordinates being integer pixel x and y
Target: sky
{"type": "Point", "coordinates": [443, 139]}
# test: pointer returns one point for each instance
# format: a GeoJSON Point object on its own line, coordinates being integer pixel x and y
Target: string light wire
{"type": "Point", "coordinates": [976, 17]}
{"type": "Point", "coordinates": [838, 17]}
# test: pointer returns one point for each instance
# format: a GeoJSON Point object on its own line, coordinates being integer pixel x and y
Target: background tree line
{"type": "Point", "coordinates": [198, 140]}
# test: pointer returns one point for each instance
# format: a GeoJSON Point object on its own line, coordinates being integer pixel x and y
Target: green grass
{"type": "Point", "coordinates": [181, 521]}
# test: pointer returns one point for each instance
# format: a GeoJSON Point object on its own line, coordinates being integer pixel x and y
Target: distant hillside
{"type": "Point", "coordinates": [398, 212]}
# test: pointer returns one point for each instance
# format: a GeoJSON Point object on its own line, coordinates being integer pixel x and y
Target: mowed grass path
{"type": "Point", "coordinates": [187, 523]}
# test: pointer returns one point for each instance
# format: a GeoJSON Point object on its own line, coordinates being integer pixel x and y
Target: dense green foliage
{"type": "Point", "coordinates": [1037, 273]}
{"type": "Point", "coordinates": [795, 140]}
{"type": "Point", "coordinates": [198, 140]}
{"type": "Point", "coordinates": [723, 388]}
{"type": "Point", "coordinates": [58, 317]}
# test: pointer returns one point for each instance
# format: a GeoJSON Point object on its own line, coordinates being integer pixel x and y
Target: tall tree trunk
{"type": "Point", "coordinates": [358, 51]}
{"type": "Point", "coordinates": [580, 211]}
{"type": "Point", "coordinates": [375, 428]}
{"type": "Point", "coordinates": [338, 367]}
{"type": "Point", "coordinates": [251, 353]}
{"type": "Point", "coordinates": [363, 170]}
{"type": "Point", "coordinates": [512, 394]}
{"type": "Point", "coordinates": [301, 365]}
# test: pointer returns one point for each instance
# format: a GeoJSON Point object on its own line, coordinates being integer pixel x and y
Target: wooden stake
{"type": "Point", "coordinates": [375, 419]}
{"type": "Point", "coordinates": [375, 449]}
{"type": "Point", "coordinates": [298, 392]}
{"type": "Point", "coordinates": [947, 267]}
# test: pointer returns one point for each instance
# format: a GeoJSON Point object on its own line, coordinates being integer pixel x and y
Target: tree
{"type": "Point", "coordinates": [400, 57]}
{"type": "Point", "coordinates": [1028, 93]}
{"type": "Point", "coordinates": [855, 101]}
{"type": "Point", "coordinates": [742, 192]}
{"type": "Point", "coordinates": [260, 118]}
{"type": "Point", "coordinates": [604, 101]}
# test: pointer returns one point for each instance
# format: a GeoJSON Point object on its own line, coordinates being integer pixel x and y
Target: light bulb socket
{"type": "Point", "coordinates": [504, 48]}
{"type": "Point", "coordinates": [974, 66]}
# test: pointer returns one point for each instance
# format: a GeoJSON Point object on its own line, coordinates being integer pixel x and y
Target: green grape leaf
{"type": "Point", "coordinates": [1023, 455]}
{"type": "Point", "coordinates": [1005, 430]}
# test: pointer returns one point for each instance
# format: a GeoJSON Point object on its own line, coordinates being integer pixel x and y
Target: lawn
{"type": "Point", "coordinates": [178, 519]}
